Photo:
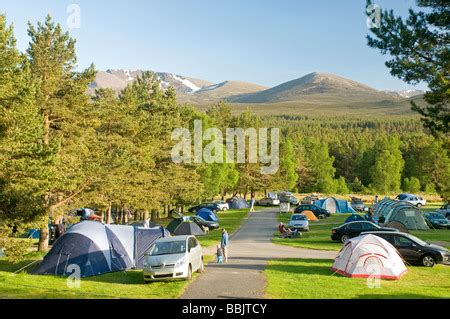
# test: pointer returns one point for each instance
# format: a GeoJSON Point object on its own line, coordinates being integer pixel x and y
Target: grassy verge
{"type": "Point", "coordinates": [319, 235]}
{"type": "Point", "coordinates": [312, 278]}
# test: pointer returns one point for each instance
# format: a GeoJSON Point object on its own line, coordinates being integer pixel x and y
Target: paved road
{"type": "Point", "coordinates": [249, 250]}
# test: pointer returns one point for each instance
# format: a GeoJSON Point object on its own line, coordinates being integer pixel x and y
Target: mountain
{"type": "Point", "coordinates": [406, 93]}
{"type": "Point", "coordinates": [315, 87]}
{"type": "Point", "coordinates": [222, 91]}
{"type": "Point", "coordinates": [119, 79]}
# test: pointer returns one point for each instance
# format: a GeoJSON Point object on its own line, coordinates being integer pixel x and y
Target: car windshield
{"type": "Point", "coordinates": [436, 216]}
{"type": "Point", "coordinates": [417, 240]}
{"type": "Point", "coordinates": [168, 248]}
{"type": "Point", "coordinates": [298, 217]}
{"type": "Point", "coordinates": [358, 202]}
{"type": "Point", "coordinates": [402, 197]}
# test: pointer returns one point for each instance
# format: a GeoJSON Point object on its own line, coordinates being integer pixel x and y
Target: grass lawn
{"type": "Point", "coordinates": [319, 235]}
{"type": "Point", "coordinates": [313, 279]}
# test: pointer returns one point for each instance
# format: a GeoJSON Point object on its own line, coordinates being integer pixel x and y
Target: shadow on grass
{"type": "Point", "coordinates": [7, 266]}
{"type": "Point", "coordinates": [122, 277]}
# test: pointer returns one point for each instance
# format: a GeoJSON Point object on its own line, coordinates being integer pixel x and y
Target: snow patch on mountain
{"type": "Point", "coordinates": [187, 83]}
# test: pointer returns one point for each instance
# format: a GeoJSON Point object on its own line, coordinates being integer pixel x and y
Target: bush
{"type": "Point", "coordinates": [15, 249]}
{"type": "Point", "coordinates": [411, 185]}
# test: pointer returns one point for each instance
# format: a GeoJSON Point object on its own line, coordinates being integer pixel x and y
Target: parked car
{"type": "Point", "coordinates": [436, 220]}
{"type": "Point", "coordinates": [412, 199]}
{"type": "Point", "coordinates": [444, 210]}
{"type": "Point", "coordinates": [358, 205]}
{"type": "Point", "coordinates": [310, 199]}
{"type": "Point", "coordinates": [354, 229]}
{"type": "Point", "coordinates": [212, 206]}
{"type": "Point", "coordinates": [299, 222]}
{"type": "Point", "coordinates": [267, 201]}
{"type": "Point", "coordinates": [223, 205]}
{"type": "Point", "coordinates": [288, 198]}
{"type": "Point", "coordinates": [414, 250]}
{"type": "Point", "coordinates": [173, 258]}
{"type": "Point", "coordinates": [318, 211]}
{"type": "Point", "coordinates": [204, 223]}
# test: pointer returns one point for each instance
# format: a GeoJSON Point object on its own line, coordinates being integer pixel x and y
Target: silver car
{"type": "Point", "coordinates": [267, 201]}
{"type": "Point", "coordinates": [299, 221]}
{"type": "Point", "coordinates": [175, 257]}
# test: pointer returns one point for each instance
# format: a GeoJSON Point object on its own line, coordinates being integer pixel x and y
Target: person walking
{"type": "Point", "coordinates": [224, 244]}
{"type": "Point", "coordinates": [252, 204]}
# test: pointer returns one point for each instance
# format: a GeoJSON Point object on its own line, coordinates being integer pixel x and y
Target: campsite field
{"type": "Point", "coordinates": [124, 285]}
{"type": "Point", "coordinates": [319, 235]}
{"type": "Point", "coordinates": [313, 279]}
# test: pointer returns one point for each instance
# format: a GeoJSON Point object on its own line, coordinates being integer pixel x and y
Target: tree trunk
{"type": "Point", "coordinates": [102, 216]}
{"type": "Point", "coordinates": [108, 215]}
{"type": "Point", "coordinates": [146, 215]}
{"type": "Point", "coordinates": [125, 216]}
{"type": "Point", "coordinates": [154, 215]}
{"type": "Point", "coordinates": [43, 239]}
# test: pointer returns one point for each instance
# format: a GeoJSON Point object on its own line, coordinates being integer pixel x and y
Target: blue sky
{"type": "Point", "coordinates": [262, 41]}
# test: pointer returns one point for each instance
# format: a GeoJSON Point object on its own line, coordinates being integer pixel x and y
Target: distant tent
{"type": "Point", "coordinates": [369, 256]}
{"type": "Point", "coordinates": [402, 212]}
{"type": "Point", "coordinates": [237, 203]}
{"type": "Point", "coordinates": [354, 218]}
{"type": "Point", "coordinates": [335, 205]}
{"type": "Point", "coordinates": [398, 226]}
{"type": "Point", "coordinates": [95, 249]}
{"type": "Point", "coordinates": [207, 214]}
{"type": "Point", "coordinates": [310, 215]}
{"type": "Point", "coordinates": [183, 227]}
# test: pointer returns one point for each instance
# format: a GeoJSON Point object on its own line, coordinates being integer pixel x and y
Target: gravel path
{"type": "Point", "coordinates": [250, 248]}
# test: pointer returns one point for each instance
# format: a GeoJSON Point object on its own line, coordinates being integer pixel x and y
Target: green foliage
{"type": "Point", "coordinates": [387, 166]}
{"type": "Point", "coordinates": [419, 47]}
{"type": "Point", "coordinates": [411, 185]}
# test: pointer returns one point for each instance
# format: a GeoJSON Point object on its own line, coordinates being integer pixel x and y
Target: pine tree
{"type": "Point", "coordinates": [60, 95]}
{"type": "Point", "coordinates": [420, 50]}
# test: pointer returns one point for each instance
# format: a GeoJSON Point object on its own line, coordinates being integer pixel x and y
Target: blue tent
{"type": "Point", "coordinates": [207, 214]}
{"type": "Point", "coordinates": [354, 218]}
{"type": "Point", "coordinates": [334, 205]}
{"type": "Point", "coordinates": [92, 248]}
{"type": "Point", "coordinates": [237, 203]}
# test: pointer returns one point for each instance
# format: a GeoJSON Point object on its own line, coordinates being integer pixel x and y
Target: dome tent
{"type": "Point", "coordinates": [334, 205]}
{"type": "Point", "coordinates": [354, 218]}
{"type": "Point", "coordinates": [182, 227]}
{"type": "Point", "coordinates": [237, 203]}
{"type": "Point", "coordinates": [402, 212]}
{"type": "Point", "coordinates": [369, 256]}
{"type": "Point", "coordinates": [207, 214]}
{"type": "Point", "coordinates": [97, 249]}
{"type": "Point", "coordinates": [310, 215]}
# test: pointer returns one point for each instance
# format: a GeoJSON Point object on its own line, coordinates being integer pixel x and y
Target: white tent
{"type": "Point", "coordinates": [369, 256]}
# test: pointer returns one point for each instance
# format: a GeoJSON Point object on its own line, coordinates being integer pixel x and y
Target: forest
{"type": "Point", "coordinates": [62, 148]}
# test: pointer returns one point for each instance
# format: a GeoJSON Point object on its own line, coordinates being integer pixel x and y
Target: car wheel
{"type": "Point", "coordinates": [189, 274]}
{"type": "Point", "coordinates": [202, 267]}
{"type": "Point", "coordinates": [419, 205]}
{"type": "Point", "coordinates": [427, 261]}
{"type": "Point", "coordinates": [344, 238]}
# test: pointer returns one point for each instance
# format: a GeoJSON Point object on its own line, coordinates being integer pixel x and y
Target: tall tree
{"type": "Point", "coordinates": [60, 94]}
{"type": "Point", "coordinates": [420, 47]}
